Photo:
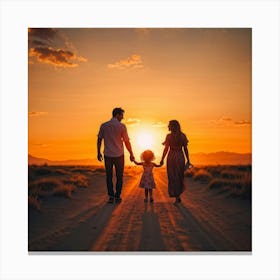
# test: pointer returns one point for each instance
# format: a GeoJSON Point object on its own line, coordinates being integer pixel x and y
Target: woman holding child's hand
{"type": "Point", "coordinates": [175, 143]}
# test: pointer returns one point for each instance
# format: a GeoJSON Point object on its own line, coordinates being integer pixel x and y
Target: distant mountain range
{"type": "Point", "coordinates": [227, 158]}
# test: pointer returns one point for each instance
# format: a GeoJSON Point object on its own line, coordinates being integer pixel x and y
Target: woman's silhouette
{"type": "Point", "coordinates": [175, 143]}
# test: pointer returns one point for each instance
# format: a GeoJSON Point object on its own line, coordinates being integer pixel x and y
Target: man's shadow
{"type": "Point", "coordinates": [82, 235]}
{"type": "Point", "coordinates": [151, 239]}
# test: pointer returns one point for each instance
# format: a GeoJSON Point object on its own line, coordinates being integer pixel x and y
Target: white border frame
{"type": "Point", "coordinates": [262, 16]}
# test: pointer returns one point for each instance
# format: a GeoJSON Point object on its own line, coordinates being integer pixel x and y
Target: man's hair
{"type": "Point", "coordinates": [117, 111]}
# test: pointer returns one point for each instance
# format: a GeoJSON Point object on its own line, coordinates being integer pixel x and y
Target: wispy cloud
{"type": "Point", "coordinates": [36, 114]}
{"type": "Point", "coordinates": [132, 62]}
{"type": "Point", "coordinates": [243, 123]}
{"type": "Point", "coordinates": [229, 122]}
{"type": "Point", "coordinates": [159, 124]}
{"type": "Point", "coordinates": [44, 47]}
{"type": "Point", "coordinates": [132, 121]}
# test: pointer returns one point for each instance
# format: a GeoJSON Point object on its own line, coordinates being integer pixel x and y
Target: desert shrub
{"type": "Point", "coordinates": [244, 168]}
{"type": "Point", "coordinates": [43, 187]}
{"type": "Point", "coordinates": [243, 187]}
{"type": "Point", "coordinates": [215, 170]}
{"type": "Point", "coordinates": [203, 176]}
{"type": "Point", "coordinates": [33, 202]}
{"type": "Point", "coordinates": [99, 169]}
{"type": "Point", "coordinates": [238, 187]}
{"type": "Point", "coordinates": [59, 171]}
{"type": "Point", "coordinates": [78, 180]}
{"type": "Point", "coordinates": [42, 170]}
{"type": "Point", "coordinates": [64, 190]}
{"type": "Point", "coordinates": [231, 174]}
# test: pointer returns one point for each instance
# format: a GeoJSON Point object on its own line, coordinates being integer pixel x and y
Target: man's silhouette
{"type": "Point", "coordinates": [114, 134]}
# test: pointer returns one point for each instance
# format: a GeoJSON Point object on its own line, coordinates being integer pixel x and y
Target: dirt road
{"type": "Point", "coordinates": [204, 221]}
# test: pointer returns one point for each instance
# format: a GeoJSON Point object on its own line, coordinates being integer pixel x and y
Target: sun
{"type": "Point", "coordinates": [145, 140]}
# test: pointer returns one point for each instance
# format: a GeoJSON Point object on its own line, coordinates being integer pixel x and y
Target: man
{"type": "Point", "coordinates": [114, 134]}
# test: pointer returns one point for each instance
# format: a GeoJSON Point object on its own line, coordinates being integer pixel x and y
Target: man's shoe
{"type": "Point", "coordinates": [111, 200]}
{"type": "Point", "coordinates": [118, 200]}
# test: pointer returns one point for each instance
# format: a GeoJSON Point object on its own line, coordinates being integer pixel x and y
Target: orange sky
{"type": "Point", "coordinates": [201, 77]}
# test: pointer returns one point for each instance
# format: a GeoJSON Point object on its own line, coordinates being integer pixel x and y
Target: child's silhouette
{"type": "Point", "coordinates": [147, 180]}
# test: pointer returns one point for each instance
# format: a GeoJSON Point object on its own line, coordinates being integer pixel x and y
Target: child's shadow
{"type": "Point", "coordinates": [151, 239]}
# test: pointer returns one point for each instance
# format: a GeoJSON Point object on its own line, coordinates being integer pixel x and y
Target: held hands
{"type": "Point", "coordinates": [132, 158]}
{"type": "Point", "coordinates": [161, 162]}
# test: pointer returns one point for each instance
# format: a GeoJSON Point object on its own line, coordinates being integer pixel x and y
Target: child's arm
{"type": "Point", "coordinates": [138, 163]}
{"type": "Point", "coordinates": [157, 165]}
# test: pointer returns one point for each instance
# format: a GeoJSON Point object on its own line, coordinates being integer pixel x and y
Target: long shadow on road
{"type": "Point", "coordinates": [208, 237]}
{"type": "Point", "coordinates": [85, 233]}
{"type": "Point", "coordinates": [151, 239]}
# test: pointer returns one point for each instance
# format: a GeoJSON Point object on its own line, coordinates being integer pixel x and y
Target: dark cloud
{"type": "Point", "coordinates": [37, 43]}
{"type": "Point", "coordinates": [45, 34]}
{"type": "Point", "coordinates": [56, 57]}
{"type": "Point", "coordinates": [43, 46]}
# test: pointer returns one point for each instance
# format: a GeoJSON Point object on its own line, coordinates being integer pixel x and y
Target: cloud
{"type": "Point", "coordinates": [132, 122]}
{"type": "Point", "coordinates": [159, 124]}
{"type": "Point", "coordinates": [243, 123]}
{"type": "Point", "coordinates": [229, 122]}
{"type": "Point", "coordinates": [45, 34]}
{"type": "Point", "coordinates": [49, 46]}
{"type": "Point", "coordinates": [132, 62]}
{"type": "Point", "coordinates": [36, 114]}
{"type": "Point", "coordinates": [37, 43]}
{"type": "Point", "coordinates": [56, 57]}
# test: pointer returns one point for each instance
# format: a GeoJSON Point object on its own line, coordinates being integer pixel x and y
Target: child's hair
{"type": "Point", "coordinates": [147, 156]}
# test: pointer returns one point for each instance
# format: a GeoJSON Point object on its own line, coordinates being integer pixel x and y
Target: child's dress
{"type": "Point", "coordinates": [147, 180]}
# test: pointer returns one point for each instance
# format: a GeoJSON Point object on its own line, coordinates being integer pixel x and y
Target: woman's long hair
{"type": "Point", "coordinates": [176, 134]}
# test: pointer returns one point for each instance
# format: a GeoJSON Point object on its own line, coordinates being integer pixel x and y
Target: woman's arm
{"type": "Point", "coordinates": [187, 153]}
{"type": "Point", "coordinates": [166, 148]}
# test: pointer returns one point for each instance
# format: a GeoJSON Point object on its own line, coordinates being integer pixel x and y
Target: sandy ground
{"type": "Point", "coordinates": [204, 221]}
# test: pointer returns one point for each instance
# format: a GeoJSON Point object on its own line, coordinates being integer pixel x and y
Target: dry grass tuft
{"type": "Point", "coordinates": [240, 187]}
{"type": "Point", "coordinates": [79, 180]}
{"type": "Point", "coordinates": [43, 187]}
{"type": "Point", "coordinates": [203, 176]}
{"type": "Point", "coordinates": [64, 190]}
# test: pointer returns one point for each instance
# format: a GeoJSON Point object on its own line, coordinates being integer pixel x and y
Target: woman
{"type": "Point", "coordinates": [176, 142]}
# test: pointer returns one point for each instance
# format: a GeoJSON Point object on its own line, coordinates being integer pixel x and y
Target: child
{"type": "Point", "coordinates": [147, 180]}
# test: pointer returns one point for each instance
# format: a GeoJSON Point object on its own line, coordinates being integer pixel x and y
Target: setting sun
{"type": "Point", "coordinates": [145, 140]}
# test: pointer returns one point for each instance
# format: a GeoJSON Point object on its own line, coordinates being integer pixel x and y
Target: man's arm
{"type": "Point", "coordinates": [99, 155]}
{"type": "Point", "coordinates": [128, 147]}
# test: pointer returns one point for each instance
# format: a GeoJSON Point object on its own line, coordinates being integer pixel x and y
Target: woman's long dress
{"type": "Point", "coordinates": [175, 164]}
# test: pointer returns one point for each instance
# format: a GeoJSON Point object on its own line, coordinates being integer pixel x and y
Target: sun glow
{"type": "Point", "coordinates": [145, 140]}
{"type": "Point", "coordinates": [147, 137]}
